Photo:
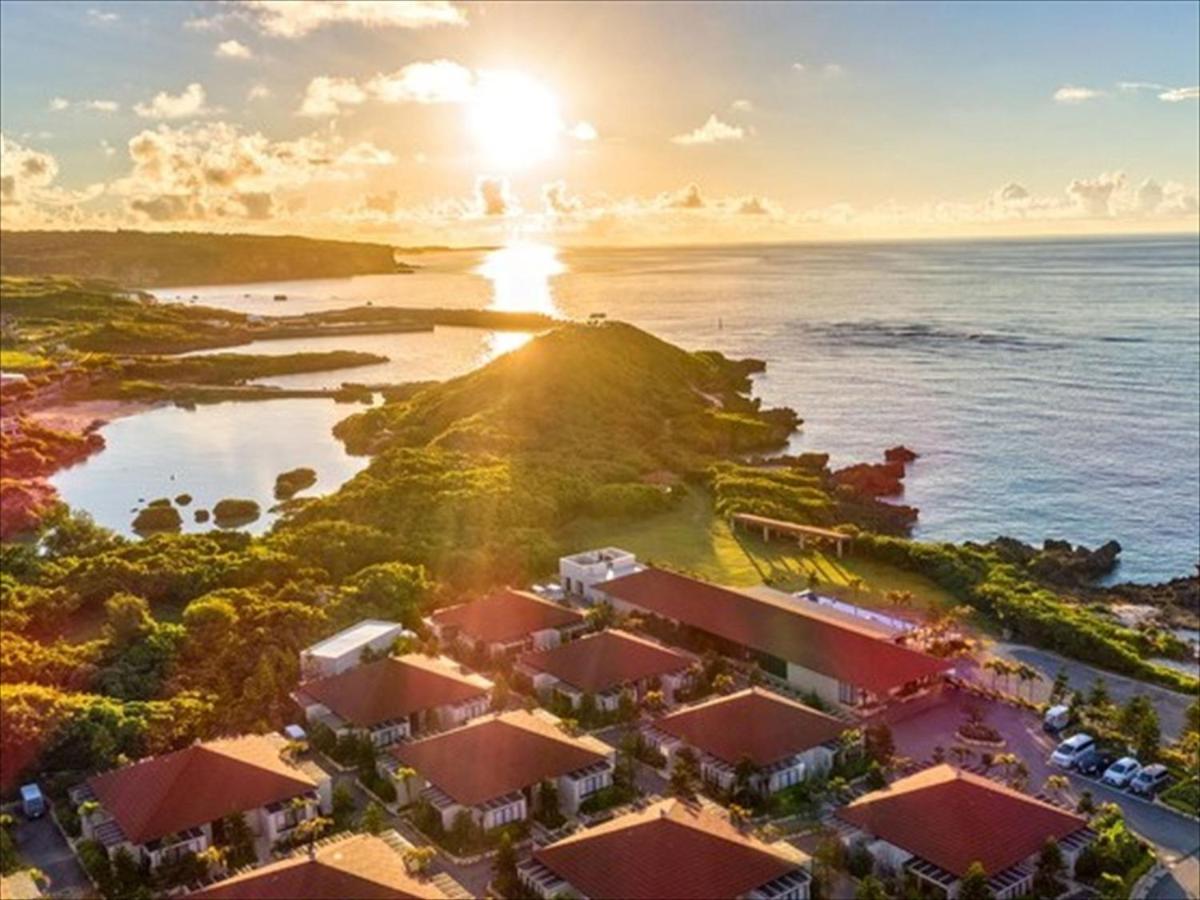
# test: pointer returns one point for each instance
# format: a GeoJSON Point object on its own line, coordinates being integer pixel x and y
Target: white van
{"type": "Point", "coordinates": [1066, 754]}
{"type": "Point", "coordinates": [1056, 719]}
{"type": "Point", "coordinates": [33, 804]}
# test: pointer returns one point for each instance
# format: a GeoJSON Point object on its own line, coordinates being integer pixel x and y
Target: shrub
{"type": "Point", "coordinates": [157, 518]}
{"type": "Point", "coordinates": [232, 512]}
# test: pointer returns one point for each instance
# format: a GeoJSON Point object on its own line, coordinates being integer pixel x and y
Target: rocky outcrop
{"type": "Point", "coordinates": [873, 479]}
{"type": "Point", "coordinates": [900, 454]}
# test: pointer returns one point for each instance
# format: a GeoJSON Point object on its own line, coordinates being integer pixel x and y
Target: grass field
{"type": "Point", "coordinates": [692, 539]}
{"type": "Point", "coordinates": [20, 361]}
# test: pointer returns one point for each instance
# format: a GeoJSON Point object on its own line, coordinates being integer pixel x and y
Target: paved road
{"type": "Point", "coordinates": [42, 845]}
{"type": "Point", "coordinates": [1170, 705]}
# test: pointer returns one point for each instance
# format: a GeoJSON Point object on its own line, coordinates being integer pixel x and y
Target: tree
{"type": "Point", "coordinates": [745, 776]}
{"type": "Point", "coordinates": [1061, 688]}
{"type": "Point", "coordinates": [1086, 804]}
{"type": "Point", "coordinates": [239, 841]}
{"type": "Point", "coordinates": [1138, 722]}
{"type": "Point", "coordinates": [374, 818]}
{"type": "Point", "coordinates": [504, 868]}
{"type": "Point", "coordinates": [974, 884]}
{"type": "Point", "coordinates": [1099, 698]}
{"type": "Point", "coordinates": [418, 859]}
{"type": "Point", "coordinates": [500, 693]}
{"type": "Point", "coordinates": [1056, 785]}
{"type": "Point", "coordinates": [127, 619]}
{"type": "Point", "coordinates": [653, 702]}
{"type": "Point", "coordinates": [879, 743]}
{"type": "Point", "coordinates": [548, 804]}
{"type": "Point", "coordinates": [685, 774]}
{"type": "Point", "coordinates": [723, 683]}
{"type": "Point", "coordinates": [1047, 878]}
{"type": "Point", "coordinates": [343, 805]}
{"type": "Point", "coordinates": [1112, 887]}
{"type": "Point", "coordinates": [870, 888]}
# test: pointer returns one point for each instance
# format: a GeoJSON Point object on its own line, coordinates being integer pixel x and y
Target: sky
{"type": "Point", "coordinates": [433, 122]}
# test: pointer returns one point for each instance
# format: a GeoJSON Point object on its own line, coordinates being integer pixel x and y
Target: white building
{"type": "Point", "coordinates": [580, 572]}
{"type": "Point", "coordinates": [343, 650]}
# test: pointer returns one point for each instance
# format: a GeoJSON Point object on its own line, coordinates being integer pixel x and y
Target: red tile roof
{"type": "Point", "coordinates": [362, 867]}
{"type": "Point", "coordinates": [838, 649]}
{"type": "Point", "coordinates": [670, 849]}
{"type": "Point", "coordinates": [393, 688]}
{"type": "Point", "coordinates": [606, 660]}
{"type": "Point", "coordinates": [506, 615]}
{"type": "Point", "coordinates": [962, 818]}
{"type": "Point", "coordinates": [200, 784]}
{"type": "Point", "coordinates": [753, 723]}
{"type": "Point", "coordinates": [491, 757]}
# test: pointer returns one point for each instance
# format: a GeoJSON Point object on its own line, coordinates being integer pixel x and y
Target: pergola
{"type": "Point", "coordinates": [802, 533]}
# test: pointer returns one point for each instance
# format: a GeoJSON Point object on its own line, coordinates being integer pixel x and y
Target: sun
{"type": "Point", "coordinates": [514, 120]}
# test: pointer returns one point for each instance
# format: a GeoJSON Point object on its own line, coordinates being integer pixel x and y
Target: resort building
{"type": "Point", "coordinates": [785, 742]}
{"type": "Point", "coordinates": [938, 822]}
{"type": "Point", "coordinates": [580, 573]}
{"type": "Point", "coordinates": [669, 849]}
{"type": "Point", "coordinates": [507, 621]}
{"type": "Point", "coordinates": [396, 698]}
{"type": "Point", "coordinates": [361, 866]}
{"type": "Point", "coordinates": [606, 665]}
{"type": "Point", "coordinates": [839, 659]}
{"type": "Point", "coordinates": [167, 806]}
{"type": "Point", "coordinates": [494, 766]}
{"type": "Point", "coordinates": [344, 650]}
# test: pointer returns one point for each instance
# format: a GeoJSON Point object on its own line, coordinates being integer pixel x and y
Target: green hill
{"type": "Point", "coordinates": [144, 259]}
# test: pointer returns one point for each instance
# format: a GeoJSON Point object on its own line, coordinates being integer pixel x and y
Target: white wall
{"type": "Point", "coordinates": [807, 680]}
{"type": "Point", "coordinates": [501, 815]}
{"type": "Point", "coordinates": [571, 792]}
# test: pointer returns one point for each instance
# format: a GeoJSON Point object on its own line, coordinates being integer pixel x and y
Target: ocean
{"type": "Point", "coordinates": [1051, 387]}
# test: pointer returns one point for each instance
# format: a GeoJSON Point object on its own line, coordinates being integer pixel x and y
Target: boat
{"type": "Point", "coordinates": [280, 297]}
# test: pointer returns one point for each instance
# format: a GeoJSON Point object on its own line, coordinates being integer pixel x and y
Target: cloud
{"type": "Point", "coordinates": [24, 169]}
{"type": "Point", "coordinates": [1072, 94]}
{"type": "Point", "coordinates": [1180, 94]}
{"type": "Point", "coordinates": [188, 104]}
{"type": "Point", "coordinates": [826, 70]}
{"type": "Point", "coordinates": [711, 132]}
{"type": "Point", "coordinates": [102, 16]}
{"type": "Point", "coordinates": [233, 50]}
{"type": "Point", "coordinates": [493, 196]}
{"type": "Point", "coordinates": [753, 206]}
{"type": "Point", "coordinates": [29, 195]}
{"type": "Point", "coordinates": [1094, 195]}
{"type": "Point", "coordinates": [258, 92]}
{"type": "Point", "coordinates": [58, 104]}
{"type": "Point", "coordinates": [440, 81]}
{"type": "Point", "coordinates": [214, 171]}
{"type": "Point", "coordinates": [799, 67]}
{"type": "Point", "coordinates": [556, 200]}
{"type": "Point", "coordinates": [742, 106]}
{"type": "Point", "coordinates": [289, 19]}
{"type": "Point", "coordinates": [584, 131]}
{"type": "Point", "coordinates": [325, 96]}
{"type": "Point", "coordinates": [688, 197]}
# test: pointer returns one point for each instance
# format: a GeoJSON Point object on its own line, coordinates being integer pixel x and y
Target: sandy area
{"type": "Point", "coordinates": [78, 416]}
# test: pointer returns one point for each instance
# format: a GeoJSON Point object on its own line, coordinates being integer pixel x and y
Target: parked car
{"type": "Point", "coordinates": [1094, 762]}
{"type": "Point", "coordinates": [1068, 752]}
{"type": "Point", "coordinates": [33, 803]}
{"type": "Point", "coordinates": [1123, 771]}
{"type": "Point", "coordinates": [1056, 719]}
{"type": "Point", "coordinates": [1150, 780]}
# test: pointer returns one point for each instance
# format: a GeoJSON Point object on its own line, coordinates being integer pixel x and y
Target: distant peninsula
{"type": "Point", "coordinates": [148, 260]}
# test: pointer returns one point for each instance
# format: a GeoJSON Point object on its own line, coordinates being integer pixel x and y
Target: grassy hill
{"type": "Point", "coordinates": [146, 259]}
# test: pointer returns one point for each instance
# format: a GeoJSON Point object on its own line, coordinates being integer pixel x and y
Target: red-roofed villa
{"type": "Point", "coordinates": [669, 849]}
{"type": "Point", "coordinates": [395, 698]}
{"type": "Point", "coordinates": [786, 742]}
{"type": "Point", "coordinates": [938, 822]}
{"type": "Point", "coordinates": [166, 806]}
{"type": "Point", "coordinates": [507, 621]}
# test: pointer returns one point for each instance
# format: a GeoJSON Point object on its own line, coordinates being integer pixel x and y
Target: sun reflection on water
{"type": "Point", "coordinates": [521, 274]}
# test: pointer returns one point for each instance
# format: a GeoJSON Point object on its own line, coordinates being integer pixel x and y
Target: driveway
{"type": "Point", "coordinates": [1170, 704]}
{"type": "Point", "coordinates": [42, 846]}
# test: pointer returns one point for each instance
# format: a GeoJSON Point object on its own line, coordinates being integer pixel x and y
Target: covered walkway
{"type": "Point", "coordinates": [803, 533]}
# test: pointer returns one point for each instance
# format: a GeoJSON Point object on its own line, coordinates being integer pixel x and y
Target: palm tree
{"type": "Point", "coordinates": [1056, 786]}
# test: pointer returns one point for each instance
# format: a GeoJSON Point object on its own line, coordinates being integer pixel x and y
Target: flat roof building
{"type": "Point", "coordinates": [343, 650]}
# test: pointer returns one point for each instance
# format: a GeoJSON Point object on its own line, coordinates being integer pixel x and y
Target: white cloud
{"type": "Point", "coordinates": [557, 201]}
{"type": "Point", "coordinates": [325, 96]}
{"type": "Point", "coordinates": [102, 16]}
{"type": "Point", "coordinates": [258, 92]}
{"type": "Point", "coordinates": [108, 149]}
{"type": "Point", "coordinates": [188, 104]}
{"type": "Point", "coordinates": [106, 106]}
{"type": "Point", "coordinates": [440, 81]}
{"type": "Point", "coordinates": [1093, 196]}
{"type": "Point", "coordinates": [584, 131]}
{"type": "Point", "coordinates": [799, 67]}
{"type": "Point", "coordinates": [742, 106]}
{"type": "Point", "coordinates": [213, 171]}
{"type": "Point", "coordinates": [711, 132]}
{"type": "Point", "coordinates": [832, 70]}
{"type": "Point", "coordinates": [232, 49]}
{"type": "Point", "coordinates": [29, 197]}
{"type": "Point", "coordinates": [1072, 94]}
{"type": "Point", "coordinates": [58, 104]}
{"type": "Point", "coordinates": [289, 19]}
{"type": "Point", "coordinates": [493, 196]}
{"type": "Point", "coordinates": [1180, 94]}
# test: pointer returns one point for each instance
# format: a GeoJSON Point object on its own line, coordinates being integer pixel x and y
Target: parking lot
{"type": "Point", "coordinates": [41, 845]}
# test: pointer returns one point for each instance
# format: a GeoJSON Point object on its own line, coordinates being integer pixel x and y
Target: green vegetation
{"type": "Point", "coordinates": [1009, 596]}
{"type": "Point", "coordinates": [237, 368]}
{"type": "Point", "coordinates": [153, 259]}
{"type": "Point", "coordinates": [233, 512]}
{"type": "Point", "coordinates": [157, 518]}
{"type": "Point", "coordinates": [21, 361]}
{"type": "Point", "coordinates": [290, 483]}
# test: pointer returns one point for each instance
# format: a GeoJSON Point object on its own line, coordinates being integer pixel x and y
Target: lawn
{"type": "Point", "coordinates": [692, 539]}
{"type": "Point", "coordinates": [21, 361]}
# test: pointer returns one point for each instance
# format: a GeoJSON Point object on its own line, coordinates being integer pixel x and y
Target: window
{"type": "Point", "coordinates": [847, 693]}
